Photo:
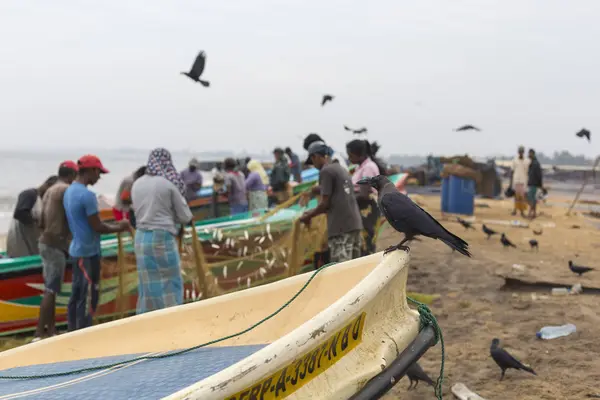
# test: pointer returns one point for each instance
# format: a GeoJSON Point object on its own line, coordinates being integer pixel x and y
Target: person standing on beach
{"type": "Point", "coordinates": [54, 247]}
{"type": "Point", "coordinates": [122, 207]}
{"type": "Point", "coordinates": [518, 181]}
{"type": "Point", "coordinates": [235, 187]}
{"type": "Point", "coordinates": [81, 209]}
{"type": "Point", "coordinates": [280, 176]}
{"type": "Point", "coordinates": [295, 166]}
{"type": "Point", "coordinates": [256, 184]}
{"type": "Point", "coordinates": [534, 182]}
{"type": "Point", "coordinates": [337, 200]}
{"type": "Point", "coordinates": [359, 154]}
{"type": "Point", "coordinates": [23, 231]}
{"type": "Point", "coordinates": [161, 212]}
{"type": "Point", "coordinates": [192, 178]}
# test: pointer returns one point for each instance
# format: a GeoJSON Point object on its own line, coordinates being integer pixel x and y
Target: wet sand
{"type": "Point", "coordinates": [472, 309]}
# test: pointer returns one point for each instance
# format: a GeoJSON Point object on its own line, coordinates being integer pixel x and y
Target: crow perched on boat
{"type": "Point", "coordinates": [407, 217]}
{"type": "Point", "coordinates": [534, 244]}
{"type": "Point", "coordinates": [415, 373]}
{"type": "Point", "coordinates": [467, 128]}
{"type": "Point", "coordinates": [579, 269]}
{"type": "Point", "coordinates": [326, 98]}
{"type": "Point", "coordinates": [489, 232]}
{"type": "Point", "coordinates": [505, 242]}
{"type": "Point", "coordinates": [198, 69]}
{"type": "Point", "coordinates": [464, 223]}
{"type": "Point", "coordinates": [538, 233]}
{"type": "Point", "coordinates": [505, 360]}
{"type": "Point", "coordinates": [584, 133]}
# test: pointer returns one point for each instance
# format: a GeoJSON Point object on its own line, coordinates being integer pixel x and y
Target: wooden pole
{"type": "Point", "coordinates": [200, 262]}
{"type": "Point", "coordinates": [585, 180]}
{"type": "Point", "coordinates": [293, 255]}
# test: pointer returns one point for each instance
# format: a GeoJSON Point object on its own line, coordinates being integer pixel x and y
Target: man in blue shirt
{"type": "Point", "coordinates": [294, 165]}
{"type": "Point", "coordinates": [81, 209]}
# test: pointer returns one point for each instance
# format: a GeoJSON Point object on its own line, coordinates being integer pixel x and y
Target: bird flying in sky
{"type": "Point", "coordinates": [197, 70]}
{"type": "Point", "coordinates": [584, 133]}
{"type": "Point", "coordinates": [326, 98]}
{"type": "Point", "coordinates": [356, 131]}
{"type": "Point", "coordinates": [467, 128]}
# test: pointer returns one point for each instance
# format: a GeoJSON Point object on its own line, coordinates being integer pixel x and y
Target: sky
{"type": "Point", "coordinates": [106, 74]}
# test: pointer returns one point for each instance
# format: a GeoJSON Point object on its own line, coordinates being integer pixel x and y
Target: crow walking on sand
{"type": "Point", "coordinates": [538, 233]}
{"type": "Point", "coordinates": [584, 133]}
{"type": "Point", "coordinates": [505, 360]}
{"type": "Point", "coordinates": [489, 232]}
{"type": "Point", "coordinates": [579, 269]}
{"type": "Point", "coordinates": [407, 217]}
{"type": "Point", "coordinates": [505, 242]}
{"type": "Point", "coordinates": [534, 244]}
{"type": "Point", "coordinates": [467, 128]}
{"type": "Point", "coordinates": [464, 223]}
{"type": "Point", "coordinates": [415, 373]}
{"type": "Point", "coordinates": [326, 98]}
{"type": "Point", "coordinates": [198, 69]}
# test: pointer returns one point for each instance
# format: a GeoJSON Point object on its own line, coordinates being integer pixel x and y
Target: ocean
{"type": "Point", "coordinates": [23, 170]}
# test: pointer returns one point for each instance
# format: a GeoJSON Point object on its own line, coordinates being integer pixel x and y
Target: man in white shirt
{"type": "Point", "coordinates": [518, 181]}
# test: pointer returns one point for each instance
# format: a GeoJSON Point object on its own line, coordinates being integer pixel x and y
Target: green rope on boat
{"type": "Point", "coordinates": [175, 353]}
{"type": "Point", "coordinates": [426, 318]}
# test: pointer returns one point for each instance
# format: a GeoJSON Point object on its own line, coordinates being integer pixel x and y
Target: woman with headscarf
{"type": "Point", "coordinates": [359, 154]}
{"type": "Point", "coordinates": [257, 182]}
{"type": "Point", "coordinates": [161, 212]}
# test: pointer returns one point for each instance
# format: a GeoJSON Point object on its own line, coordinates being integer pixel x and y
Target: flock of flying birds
{"type": "Point", "coordinates": [200, 63]}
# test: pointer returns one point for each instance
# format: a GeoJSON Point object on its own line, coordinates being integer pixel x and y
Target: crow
{"type": "Point", "coordinates": [326, 98]}
{"type": "Point", "coordinates": [538, 233]}
{"type": "Point", "coordinates": [505, 360]}
{"type": "Point", "coordinates": [466, 128]}
{"type": "Point", "coordinates": [579, 269]}
{"type": "Point", "coordinates": [534, 244]}
{"type": "Point", "coordinates": [415, 373]}
{"type": "Point", "coordinates": [356, 131]}
{"type": "Point", "coordinates": [464, 223]}
{"type": "Point", "coordinates": [584, 133]}
{"type": "Point", "coordinates": [407, 217]}
{"type": "Point", "coordinates": [505, 242]}
{"type": "Point", "coordinates": [197, 70]}
{"type": "Point", "coordinates": [489, 232]}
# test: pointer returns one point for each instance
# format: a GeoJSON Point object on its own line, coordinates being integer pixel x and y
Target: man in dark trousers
{"type": "Point", "coordinates": [534, 182]}
{"type": "Point", "coordinates": [344, 223]}
{"type": "Point", "coordinates": [54, 247]}
{"type": "Point", "coordinates": [81, 209]}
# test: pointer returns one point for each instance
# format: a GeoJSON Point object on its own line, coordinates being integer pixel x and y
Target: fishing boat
{"type": "Point", "coordinates": [343, 331]}
{"type": "Point", "coordinates": [202, 207]}
{"type": "Point", "coordinates": [218, 256]}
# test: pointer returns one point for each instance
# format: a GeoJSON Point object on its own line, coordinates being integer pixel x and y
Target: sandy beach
{"type": "Point", "coordinates": [473, 309]}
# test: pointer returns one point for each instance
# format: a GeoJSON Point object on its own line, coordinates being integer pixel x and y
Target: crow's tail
{"type": "Point", "coordinates": [528, 369]}
{"type": "Point", "coordinates": [456, 243]}
{"type": "Point", "coordinates": [204, 83]}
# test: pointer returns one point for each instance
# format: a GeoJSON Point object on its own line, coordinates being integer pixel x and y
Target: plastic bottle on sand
{"type": "Point", "coordinates": [553, 332]}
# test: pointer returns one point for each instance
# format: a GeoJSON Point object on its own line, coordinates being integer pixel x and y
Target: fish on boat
{"type": "Point", "coordinates": [346, 323]}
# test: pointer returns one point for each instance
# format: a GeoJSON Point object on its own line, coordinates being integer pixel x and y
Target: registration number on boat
{"type": "Point", "coordinates": [298, 373]}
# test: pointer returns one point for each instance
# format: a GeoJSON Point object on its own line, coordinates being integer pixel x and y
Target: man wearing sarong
{"type": "Point", "coordinates": [81, 209]}
{"type": "Point", "coordinates": [161, 213]}
{"type": "Point", "coordinates": [534, 183]}
{"type": "Point", "coordinates": [518, 181]}
{"type": "Point", "coordinates": [359, 154]}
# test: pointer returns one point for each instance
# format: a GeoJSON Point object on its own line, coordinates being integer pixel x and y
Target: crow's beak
{"type": "Point", "coordinates": [364, 181]}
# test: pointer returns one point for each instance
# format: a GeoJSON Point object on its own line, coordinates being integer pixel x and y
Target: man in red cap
{"type": "Point", "coordinates": [54, 246]}
{"type": "Point", "coordinates": [81, 208]}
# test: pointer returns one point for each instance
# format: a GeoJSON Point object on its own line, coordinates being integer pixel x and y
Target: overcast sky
{"type": "Point", "coordinates": [106, 73]}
